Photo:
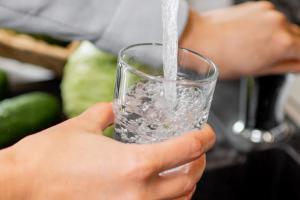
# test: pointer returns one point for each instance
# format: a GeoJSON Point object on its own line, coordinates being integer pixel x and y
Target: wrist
{"type": "Point", "coordinates": [200, 36]}
{"type": "Point", "coordinates": [12, 181]}
{"type": "Point", "coordinates": [196, 35]}
{"type": "Point", "coordinates": [187, 37]}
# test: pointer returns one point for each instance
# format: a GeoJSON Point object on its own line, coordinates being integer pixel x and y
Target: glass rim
{"type": "Point", "coordinates": [210, 78]}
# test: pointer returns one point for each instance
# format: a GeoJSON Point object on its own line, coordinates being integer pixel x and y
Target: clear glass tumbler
{"type": "Point", "coordinates": [144, 114]}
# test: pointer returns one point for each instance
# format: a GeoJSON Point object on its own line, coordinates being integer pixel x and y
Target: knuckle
{"type": "Point", "coordinates": [145, 169]}
{"type": "Point", "coordinates": [100, 106]}
{"type": "Point", "coordinates": [189, 185]}
{"type": "Point", "coordinates": [203, 160]}
{"type": "Point", "coordinates": [284, 41]}
{"type": "Point", "coordinates": [277, 17]}
{"type": "Point", "coordinates": [137, 195]}
{"type": "Point", "coordinates": [141, 168]}
{"type": "Point", "coordinates": [246, 71]}
{"type": "Point", "coordinates": [197, 144]}
{"type": "Point", "coordinates": [249, 4]}
{"type": "Point", "coordinates": [199, 163]}
{"type": "Point", "coordinates": [201, 167]}
{"type": "Point", "coordinates": [212, 135]}
{"type": "Point", "coordinates": [127, 172]}
{"type": "Point", "coordinates": [213, 138]}
{"type": "Point", "coordinates": [266, 5]}
{"type": "Point", "coordinates": [130, 168]}
{"type": "Point", "coordinates": [141, 194]}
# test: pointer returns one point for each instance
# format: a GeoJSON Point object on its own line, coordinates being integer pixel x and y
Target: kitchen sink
{"type": "Point", "coordinates": [271, 174]}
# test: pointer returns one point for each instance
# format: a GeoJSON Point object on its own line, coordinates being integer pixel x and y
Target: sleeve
{"type": "Point", "coordinates": [110, 24]}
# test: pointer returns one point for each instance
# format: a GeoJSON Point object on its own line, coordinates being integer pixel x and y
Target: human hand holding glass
{"type": "Point", "coordinates": [143, 114]}
{"type": "Point", "coordinates": [73, 161]}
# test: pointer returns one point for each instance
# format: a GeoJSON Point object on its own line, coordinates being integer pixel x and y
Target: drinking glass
{"type": "Point", "coordinates": [144, 111]}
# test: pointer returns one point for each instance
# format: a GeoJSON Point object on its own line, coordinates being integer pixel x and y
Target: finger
{"type": "Point", "coordinates": [178, 151]}
{"type": "Point", "coordinates": [282, 68]}
{"type": "Point", "coordinates": [257, 6]}
{"type": "Point", "coordinates": [97, 118]}
{"type": "Point", "coordinates": [189, 196]}
{"type": "Point", "coordinates": [295, 29]}
{"type": "Point", "coordinates": [295, 34]}
{"type": "Point", "coordinates": [178, 184]}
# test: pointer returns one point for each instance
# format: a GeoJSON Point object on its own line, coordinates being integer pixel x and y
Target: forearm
{"type": "Point", "coordinates": [12, 183]}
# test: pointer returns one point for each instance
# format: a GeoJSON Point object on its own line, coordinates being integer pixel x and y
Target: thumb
{"type": "Point", "coordinates": [97, 117]}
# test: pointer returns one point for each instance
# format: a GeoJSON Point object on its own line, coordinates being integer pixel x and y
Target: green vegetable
{"type": "Point", "coordinates": [89, 77]}
{"type": "Point", "coordinates": [3, 85]}
{"type": "Point", "coordinates": [109, 131]}
{"type": "Point", "coordinates": [26, 114]}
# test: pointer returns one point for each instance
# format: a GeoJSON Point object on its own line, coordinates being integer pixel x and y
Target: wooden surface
{"type": "Point", "coordinates": [30, 50]}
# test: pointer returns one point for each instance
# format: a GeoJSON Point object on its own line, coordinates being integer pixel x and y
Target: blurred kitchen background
{"type": "Point", "coordinates": [248, 162]}
{"type": "Point", "coordinates": [25, 72]}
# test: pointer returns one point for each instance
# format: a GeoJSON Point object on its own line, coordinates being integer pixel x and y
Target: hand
{"type": "Point", "coordinates": [72, 161]}
{"type": "Point", "coordinates": [248, 39]}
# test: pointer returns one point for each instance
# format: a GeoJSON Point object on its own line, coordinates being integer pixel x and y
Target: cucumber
{"type": "Point", "coordinates": [3, 85]}
{"type": "Point", "coordinates": [26, 114]}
